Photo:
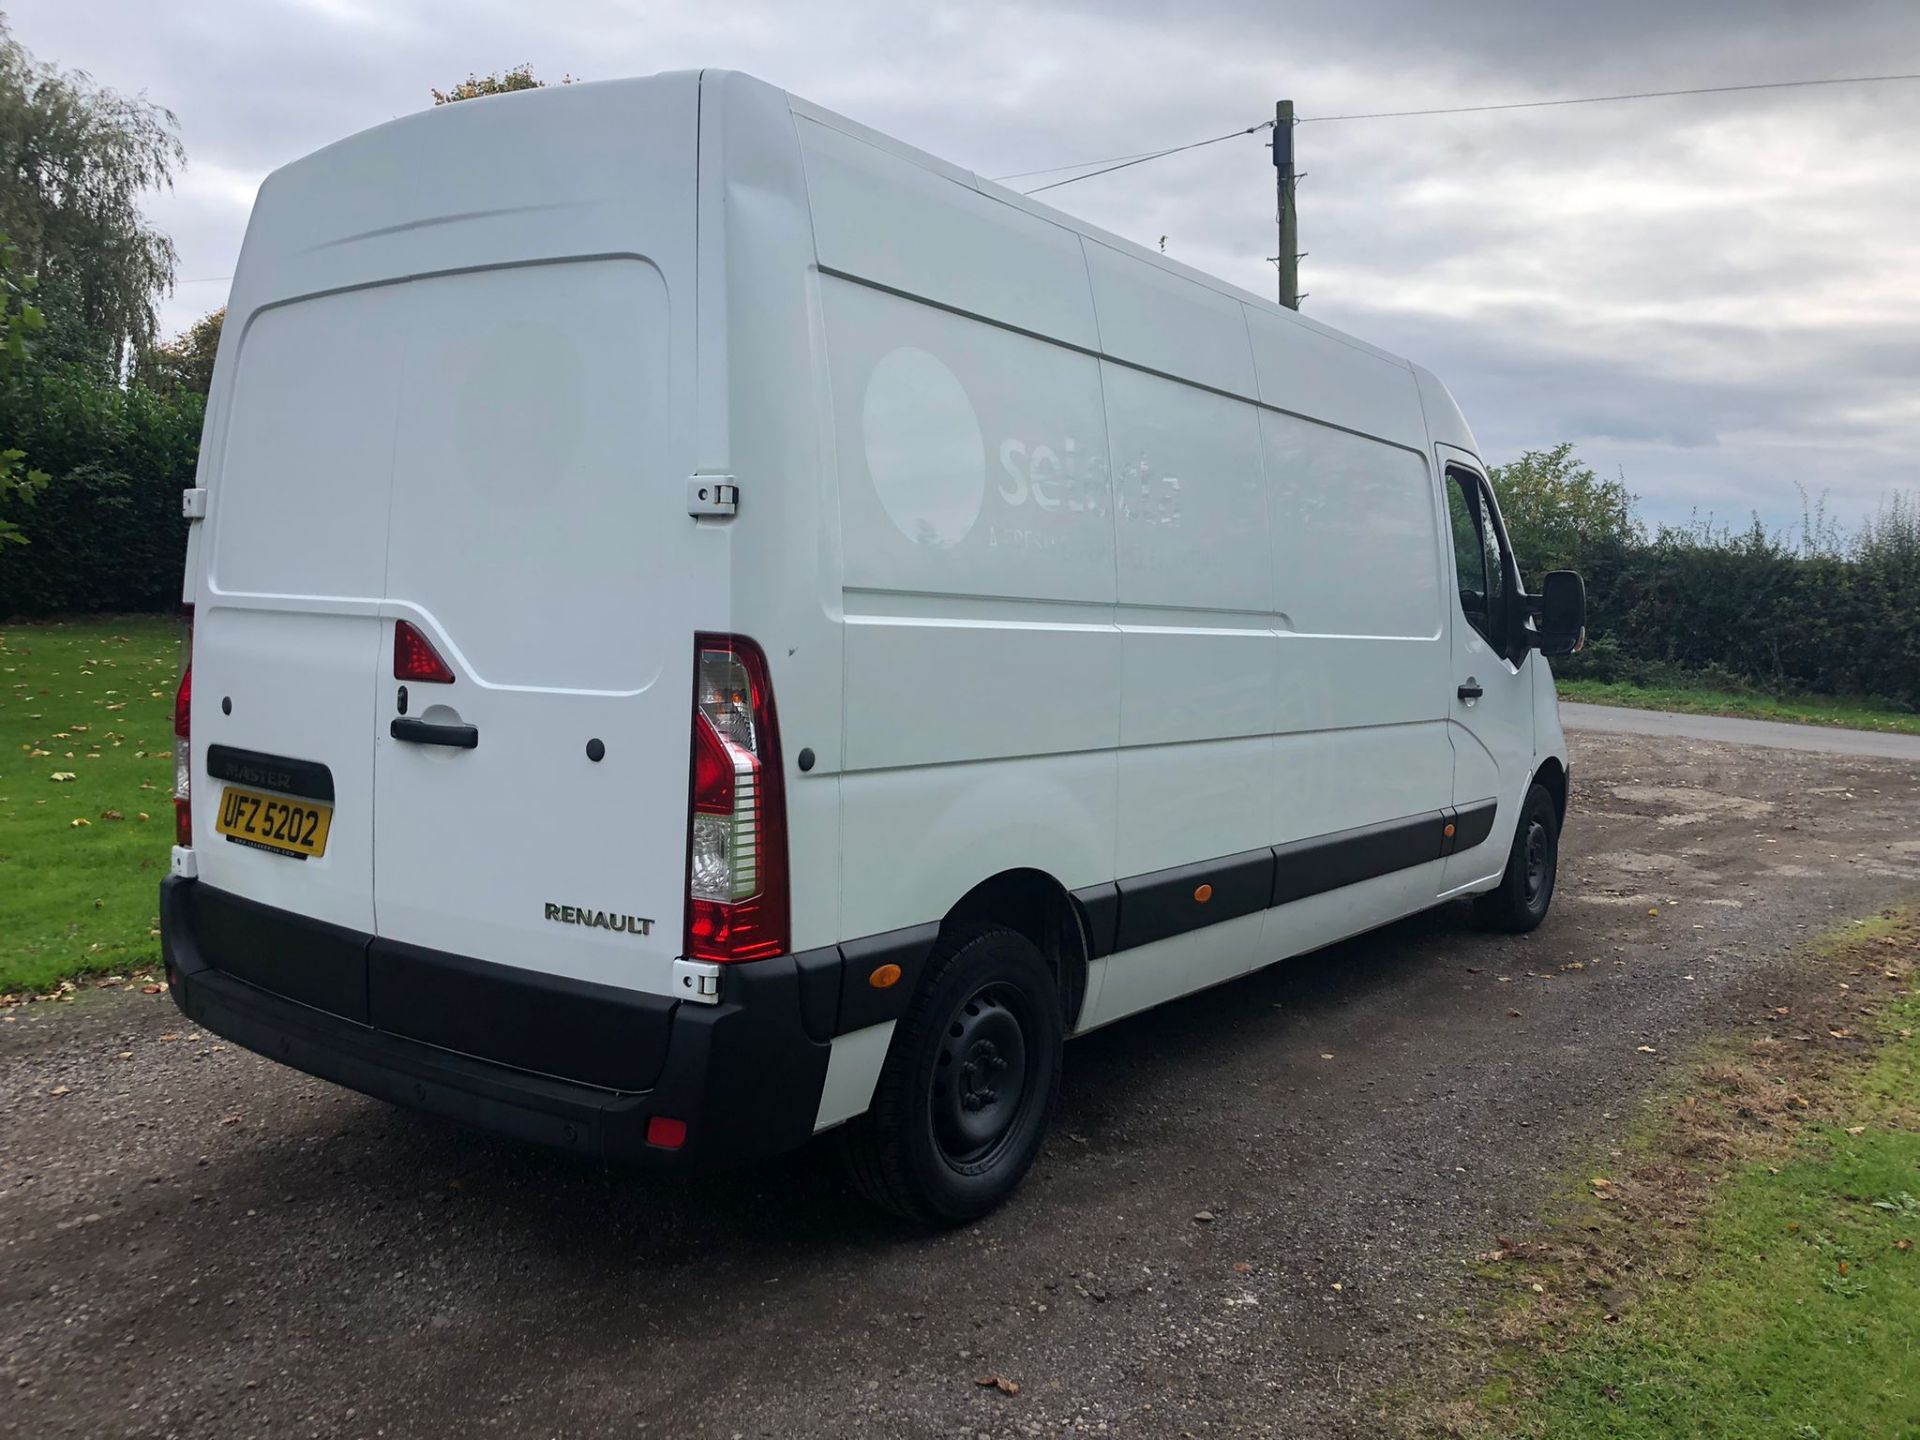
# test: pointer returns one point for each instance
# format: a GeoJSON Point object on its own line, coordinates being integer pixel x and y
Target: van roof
{"type": "Point", "coordinates": [1443, 415]}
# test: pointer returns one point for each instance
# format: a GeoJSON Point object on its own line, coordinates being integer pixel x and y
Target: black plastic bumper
{"type": "Point", "coordinates": [582, 1068]}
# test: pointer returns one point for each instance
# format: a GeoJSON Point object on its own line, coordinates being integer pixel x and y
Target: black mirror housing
{"type": "Point", "coordinates": [1560, 614]}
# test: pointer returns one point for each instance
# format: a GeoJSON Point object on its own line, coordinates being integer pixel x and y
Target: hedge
{"type": "Point", "coordinates": [106, 534]}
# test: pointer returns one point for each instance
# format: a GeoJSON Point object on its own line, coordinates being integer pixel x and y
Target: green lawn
{"type": "Point", "coordinates": [1851, 713]}
{"type": "Point", "coordinates": [81, 858]}
{"type": "Point", "coordinates": [1787, 1303]}
{"type": "Point", "coordinates": [1806, 1320]}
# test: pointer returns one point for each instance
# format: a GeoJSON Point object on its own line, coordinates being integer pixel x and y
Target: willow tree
{"type": "Point", "coordinates": [76, 159]}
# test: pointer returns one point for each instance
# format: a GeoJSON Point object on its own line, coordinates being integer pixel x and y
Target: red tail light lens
{"type": "Point", "coordinates": [737, 898]}
{"type": "Point", "coordinates": [414, 657]}
{"type": "Point", "coordinates": [182, 737]}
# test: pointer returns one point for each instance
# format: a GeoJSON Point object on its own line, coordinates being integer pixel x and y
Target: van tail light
{"type": "Point", "coordinates": [182, 737]}
{"type": "Point", "coordinates": [737, 895]}
{"type": "Point", "coordinates": [414, 657]}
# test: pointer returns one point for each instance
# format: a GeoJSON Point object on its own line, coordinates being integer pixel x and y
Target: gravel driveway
{"type": "Point", "coordinates": [1250, 1220]}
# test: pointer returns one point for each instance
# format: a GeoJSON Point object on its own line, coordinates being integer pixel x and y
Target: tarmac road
{"type": "Point", "coordinates": [196, 1242]}
{"type": "Point", "coordinates": [1738, 730]}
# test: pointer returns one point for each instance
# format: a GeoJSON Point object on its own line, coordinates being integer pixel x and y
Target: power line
{"type": "Point", "coordinates": [1602, 99]}
{"type": "Point", "coordinates": [1150, 155]}
{"type": "Point", "coordinates": [1056, 169]}
{"type": "Point", "coordinates": [1122, 162]}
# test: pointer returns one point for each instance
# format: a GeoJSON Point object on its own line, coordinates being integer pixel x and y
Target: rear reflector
{"type": "Point", "coordinates": [414, 657]}
{"type": "Point", "coordinates": [737, 832]}
{"type": "Point", "coordinates": [666, 1133]}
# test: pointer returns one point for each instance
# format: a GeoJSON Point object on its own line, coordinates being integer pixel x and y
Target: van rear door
{"type": "Point", "coordinates": [538, 538]}
{"type": "Point", "coordinates": [287, 628]}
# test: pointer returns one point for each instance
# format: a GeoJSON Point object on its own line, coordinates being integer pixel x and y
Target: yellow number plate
{"type": "Point", "coordinates": [274, 822]}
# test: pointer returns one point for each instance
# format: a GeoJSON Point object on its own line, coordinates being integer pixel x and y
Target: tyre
{"type": "Point", "coordinates": [1525, 891]}
{"type": "Point", "coordinates": [968, 1086]}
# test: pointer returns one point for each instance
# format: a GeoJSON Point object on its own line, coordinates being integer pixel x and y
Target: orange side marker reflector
{"type": "Point", "coordinates": [666, 1133]}
{"type": "Point", "coordinates": [1449, 831]}
{"type": "Point", "coordinates": [885, 976]}
{"type": "Point", "coordinates": [1203, 893]}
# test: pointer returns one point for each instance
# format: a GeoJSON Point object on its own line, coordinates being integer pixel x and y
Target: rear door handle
{"type": "Point", "coordinates": [425, 732]}
{"type": "Point", "coordinates": [1469, 692]}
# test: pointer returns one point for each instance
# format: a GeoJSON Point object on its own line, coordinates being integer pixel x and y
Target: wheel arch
{"type": "Point", "coordinates": [1551, 776]}
{"type": "Point", "coordinates": [1036, 905]}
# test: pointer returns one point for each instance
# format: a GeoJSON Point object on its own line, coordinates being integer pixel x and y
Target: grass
{"type": "Point", "coordinates": [1845, 712]}
{"type": "Point", "coordinates": [1749, 1264]}
{"type": "Point", "coordinates": [81, 858]}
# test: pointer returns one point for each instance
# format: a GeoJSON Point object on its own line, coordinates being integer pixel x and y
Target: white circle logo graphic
{"type": "Point", "coordinates": [924, 451]}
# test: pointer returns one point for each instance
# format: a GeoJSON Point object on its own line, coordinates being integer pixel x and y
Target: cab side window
{"type": "Point", "coordinates": [1480, 568]}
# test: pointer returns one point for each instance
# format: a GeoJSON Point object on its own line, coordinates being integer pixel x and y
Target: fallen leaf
{"type": "Point", "coordinates": [60, 777]}
{"type": "Point", "coordinates": [61, 1090]}
{"type": "Point", "coordinates": [111, 815]}
{"type": "Point", "coordinates": [80, 822]}
{"type": "Point", "coordinates": [1203, 1217]}
{"type": "Point", "coordinates": [124, 1055]}
{"type": "Point", "coordinates": [1326, 1054]}
{"type": "Point", "coordinates": [1903, 1244]}
{"type": "Point", "coordinates": [1000, 1383]}
{"type": "Point", "coordinates": [1647, 1050]}
{"type": "Point", "coordinates": [1856, 1129]}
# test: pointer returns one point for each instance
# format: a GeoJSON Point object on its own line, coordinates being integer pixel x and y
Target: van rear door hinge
{"type": "Point", "coordinates": [697, 980]}
{"type": "Point", "coordinates": [193, 503]}
{"type": "Point", "coordinates": [713, 496]}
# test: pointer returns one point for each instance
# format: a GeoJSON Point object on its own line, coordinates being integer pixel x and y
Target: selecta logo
{"type": "Point", "coordinates": [1063, 479]}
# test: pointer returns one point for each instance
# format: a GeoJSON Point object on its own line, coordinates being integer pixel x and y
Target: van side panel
{"type": "Point", "coordinates": [1151, 317]}
{"type": "Point", "coordinates": [1196, 595]}
{"type": "Point", "coordinates": [1112, 592]}
{"type": "Point", "coordinates": [911, 229]}
{"type": "Point", "coordinates": [977, 529]}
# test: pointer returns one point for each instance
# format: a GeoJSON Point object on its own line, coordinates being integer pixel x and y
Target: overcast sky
{"type": "Point", "coordinates": [1718, 296]}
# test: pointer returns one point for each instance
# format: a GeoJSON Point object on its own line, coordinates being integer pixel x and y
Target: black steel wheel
{"type": "Point", "coordinates": [1521, 900]}
{"type": "Point", "coordinates": [969, 1082]}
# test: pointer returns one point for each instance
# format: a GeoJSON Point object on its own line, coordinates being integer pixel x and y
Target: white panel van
{"type": "Point", "coordinates": [708, 626]}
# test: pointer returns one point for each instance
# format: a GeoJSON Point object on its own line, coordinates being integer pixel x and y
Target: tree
{"type": "Point", "coordinates": [18, 320]}
{"type": "Point", "coordinates": [75, 160]}
{"type": "Point", "coordinates": [1559, 514]}
{"type": "Point", "coordinates": [184, 363]}
{"type": "Point", "coordinates": [504, 83]}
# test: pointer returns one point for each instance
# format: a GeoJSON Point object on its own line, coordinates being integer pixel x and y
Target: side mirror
{"type": "Point", "coordinates": [1560, 614]}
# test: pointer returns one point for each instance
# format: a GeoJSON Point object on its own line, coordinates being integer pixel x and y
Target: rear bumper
{"type": "Point", "coordinates": [744, 1075]}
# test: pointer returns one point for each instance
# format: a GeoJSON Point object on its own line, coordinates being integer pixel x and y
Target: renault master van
{"type": "Point", "coordinates": [708, 625]}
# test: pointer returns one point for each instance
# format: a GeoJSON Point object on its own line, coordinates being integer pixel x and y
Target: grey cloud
{"type": "Point", "coordinates": [1719, 294]}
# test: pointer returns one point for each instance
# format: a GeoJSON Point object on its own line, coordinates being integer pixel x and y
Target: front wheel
{"type": "Point", "coordinates": [964, 1097]}
{"type": "Point", "coordinates": [1525, 891]}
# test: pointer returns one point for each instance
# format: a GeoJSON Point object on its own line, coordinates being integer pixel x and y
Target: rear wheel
{"type": "Point", "coordinates": [969, 1082]}
{"type": "Point", "coordinates": [1520, 902]}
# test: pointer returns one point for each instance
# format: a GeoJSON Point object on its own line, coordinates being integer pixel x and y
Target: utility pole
{"type": "Point", "coordinates": [1288, 260]}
